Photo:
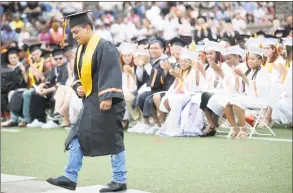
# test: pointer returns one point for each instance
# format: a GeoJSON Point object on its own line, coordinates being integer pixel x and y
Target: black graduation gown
{"type": "Point", "coordinates": [10, 80]}
{"type": "Point", "coordinates": [100, 132]}
{"type": "Point", "coordinates": [145, 100]}
{"type": "Point", "coordinates": [39, 104]}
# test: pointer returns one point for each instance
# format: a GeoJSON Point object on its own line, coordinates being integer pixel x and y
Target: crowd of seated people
{"type": "Point", "coordinates": [37, 92]}
{"type": "Point", "coordinates": [170, 87]}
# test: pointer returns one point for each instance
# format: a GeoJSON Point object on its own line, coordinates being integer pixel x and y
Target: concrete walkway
{"type": "Point", "coordinates": [25, 184]}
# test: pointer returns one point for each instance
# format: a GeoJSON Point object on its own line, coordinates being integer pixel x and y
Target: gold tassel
{"type": "Point", "coordinates": [63, 35]}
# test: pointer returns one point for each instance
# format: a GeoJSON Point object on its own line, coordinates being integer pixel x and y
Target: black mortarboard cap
{"type": "Point", "coordinates": [35, 47]}
{"type": "Point", "coordinates": [160, 40]}
{"type": "Point", "coordinates": [186, 39]}
{"type": "Point", "coordinates": [177, 41]}
{"type": "Point", "coordinates": [13, 50]}
{"type": "Point", "coordinates": [260, 33]}
{"type": "Point", "coordinates": [280, 33]}
{"type": "Point", "coordinates": [58, 51]}
{"type": "Point", "coordinates": [24, 47]}
{"type": "Point", "coordinates": [79, 18]}
{"type": "Point", "coordinates": [68, 47]}
{"type": "Point", "coordinates": [142, 41]}
{"type": "Point", "coordinates": [46, 53]}
{"type": "Point", "coordinates": [52, 46]}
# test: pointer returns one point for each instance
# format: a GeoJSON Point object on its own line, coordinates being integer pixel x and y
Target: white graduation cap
{"type": "Point", "coordinates": [214, 46]}
{"type": "Point", "coordinates": [235, 50]}
{"type": "Point", "coordinates": [287, 41]}
{"type": "Point", "coordinates": [142, 52]}
{"type": "Point", "coordinates": [270, 42]}
{"type": "Point", "coordinates": [186, 54]}
{"type": "Point", "coordinates": [255, 50]}
{"type": "Point", "coordinates": [253, 42]}
{"type": "Point", "coordinates": [199, 48]}
{"type": "Point", "coordinates": [127, 48]}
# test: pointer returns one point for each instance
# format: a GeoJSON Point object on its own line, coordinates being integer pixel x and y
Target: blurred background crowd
{"type": "Point", "coordinates": [127, 21]}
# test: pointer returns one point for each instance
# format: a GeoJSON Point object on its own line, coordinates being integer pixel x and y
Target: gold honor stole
{"type": "Point", "coordinates": [85, 73]}
{"type": "Point", "coordinates": [31, 78]}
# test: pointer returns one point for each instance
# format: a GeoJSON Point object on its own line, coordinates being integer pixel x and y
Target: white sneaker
{"type": "Point", "coordinates": [152, 130]}
{"type": "Point", "coordinates": [133, 129]}
{"type": "Point", "coordinates": [50, 125]}
{"type": "Point", "coordinates": [143, 128]}
{"type": "Point", "coordinates": [35, 123]}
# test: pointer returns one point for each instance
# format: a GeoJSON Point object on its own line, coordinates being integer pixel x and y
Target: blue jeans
{"type": "Point", "coordinates": [75, 163]}
{"type": "Point", "coordinates": [27, 95]}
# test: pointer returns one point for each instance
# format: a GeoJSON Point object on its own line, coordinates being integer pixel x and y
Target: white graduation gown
{"type": "Point", "coordinates": [256, 93]}
{"type": "Point", "coordinates": [177, 102]}
{"type": "Point", "coordinates": [218, 101]}
{"type": "Point", "coordinates": [282, 110]}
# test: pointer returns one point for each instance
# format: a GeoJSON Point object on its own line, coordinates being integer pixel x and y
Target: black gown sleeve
{"type": "Point", "coordinates": [110, 74]}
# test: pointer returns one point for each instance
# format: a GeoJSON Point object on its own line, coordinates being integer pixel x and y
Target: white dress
{"type": "Point", "coordinates": [175, 125]}
{"type": "Point", "coordinates": [256, 93]}
{"type": "Point", "coordinates": [282, 110]}
{"type": "Point", "coordinates": [226, 91]}
{"type": "Point", "coordinates": [128, 86]}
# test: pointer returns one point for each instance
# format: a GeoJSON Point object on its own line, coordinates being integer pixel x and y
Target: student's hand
{"type": "Point", "coordinates": [106, 104]}
{"type": "Point", "coordinates": [80, 91]}
{"type": "Point", "coordinates": [215, 67]}
{"type": "Point", "coordinates": [43, 92]}
{"type": "Point", "coordinates": [166, 65]}
{"type": "Point", "coordinates": [127, 69]}
{"type": "Point", "coordinates": [58, 84]}
{"type": "Point", "coordinates": [199, 66]}
{"type": "Point", "coordinates": [176, 73]}
{"type": "Point", "coordinates": [238, 72]}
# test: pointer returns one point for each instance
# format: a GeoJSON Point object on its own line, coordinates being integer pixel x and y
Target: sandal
{"type": "Point", "coordinates": [234, 133]}
{"type": "Point", "coordinates": [243, 134]}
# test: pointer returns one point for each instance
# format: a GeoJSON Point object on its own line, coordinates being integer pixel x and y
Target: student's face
{"type": "Point", "coordinates": [231, 60]}
{"type": "Point", "coordinates": [185, 64]}
{"type": "Point", "coordinates": [36, 55]}
{"type": "Point", "coordinates": [253, 61]}
{"type": "Point", "coordinates": [156, 50]}
{"type": "Point", "coordinates": [175, 51]}
{"type": "Point", "coordinates": [211, 56]}
{"type": "Point", "coordinates": [59, 60]}
{"type": "Point", "coordinates": [13, 59]}
{"type": "Point", "coordinates": [127, 58]}
{"type": "Point", "coordinates": [268, 51]}
{"type": "Point", "coordinates": [47, 62]}
{"type": "Point", "coordinates": [81, 34]}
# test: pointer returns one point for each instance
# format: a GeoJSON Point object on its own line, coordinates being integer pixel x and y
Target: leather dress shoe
{"type": "Point", "coordinates": [62, 182]}
{"type": "Point", "coordinates": [114, 187]}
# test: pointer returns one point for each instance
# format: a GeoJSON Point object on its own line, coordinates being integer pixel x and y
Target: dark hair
{"type": "Point", "coordinates": [217, 60]}
{"type": "Point", "coordinates": [90, 24]}
{"type": "Point", "coordinates": [249, 70]}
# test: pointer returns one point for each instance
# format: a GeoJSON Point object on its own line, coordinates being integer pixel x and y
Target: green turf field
{"type": "Point", "coordinates": [162, 165]}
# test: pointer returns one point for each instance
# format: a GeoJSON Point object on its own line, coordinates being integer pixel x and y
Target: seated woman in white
{"type": "Point", "coordinates": [257, 86]}
{"type": "Point", "coordinates": [213, 81]}
{"type": "Point", "coordinates": [282, 110]}
{"type": "Point", "coordinates": [128, 81]}
{"type": "Point", "coordinates": [278, 68]}
{"type": "Point", "coordinates": [231, 83]}
{"type": "Point", "coordinates": [187, 81]}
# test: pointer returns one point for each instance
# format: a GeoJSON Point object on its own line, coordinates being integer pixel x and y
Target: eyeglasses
{"type": "Point", "coordinates": [58, 58]}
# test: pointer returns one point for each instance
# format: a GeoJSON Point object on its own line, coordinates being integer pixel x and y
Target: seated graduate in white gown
{"type": "Point", "coordinates": [186, 82]}
{"type": "Point", "coordinates": [282, 110]}
{"type": "Point", "coordinates": [231, 83]}
{"type": "Point", "coordinates": [213, 85]}
{"type": "Point", "coordinates": [277, 68]}
{"type": "Point", "coordinates": [128, 81]}
{"type": "Point", "coordinates": [257, 83]}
